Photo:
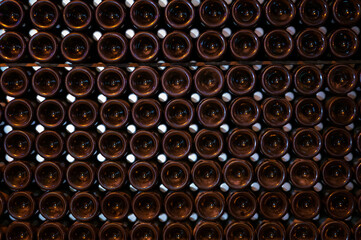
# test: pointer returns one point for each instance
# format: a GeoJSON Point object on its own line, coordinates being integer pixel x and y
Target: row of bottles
{"type": "Point", "coordinates": [211, 45]}
{"type": "Point", "coordinates": [177, 81]}
{"type": "Point", "coordinates": [265, 230]}
{"type": "Point", "coordinates": [181, 14]}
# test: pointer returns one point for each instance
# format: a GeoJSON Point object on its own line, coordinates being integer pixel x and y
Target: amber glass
{"type": "Point", "coordinates": [144, 46]}
{"type": "Point", "coordinates": [111, 230]}
{"type": "Point", "coordinates": [53, 205]}
{"type": "Point", "coordinates": [83, 113]}
{"type": "Point", "coordinates": [244, 111]}
{"type": "Point", "coordinates": [49, 144]}
{"type": "Point", "coordinates": [303, 173]}
{"type": "Point", "coordinates": [19, 230]}
{"type": "Point", "coordinates": [208, 144]}
{"type": "Point", "coordinates": [141, 203]}
{"type": "Point", "coordinates": [273, 205]}
{"type": "Point", "coordinates": [208, 230]}
{"type": "Point", "coordinates": [12, 14]}
{"type": "Point", "coordinates": [77, 15]}
{"type": "Point", "coordinates": [244, 44]}
{"type": "Point", "coordinates": [143, 175]}
{"type": "Point", "coordinates": [175, 175]}
{"type": "Point", "coordinates": [308, 79]}
{"type": "Point", "coordinates": [46, 82]}
{"type": "Point", "coordinates": [177, 46]}
{"type": "Point", "coordinates": [115, 205]}
{"type": "Point", "coordinates": [177, 144]}
{"type": "Point", "coordinates": [82, 231]}
{"type": "Point", "coordinates": [81, 145]}
{"type": "Point", "coordinates": [280, 12]}
{"type": "Point", "coordinates": [246, 13]}
{"type": "Point", "coordinates": [213, 13]}
{"type": "Point", "coordinates": [112, 81]}
{"type": "Point", "coordinates": [341, 79]}
{"type": "Point", "coordinates": [336, 173]}
{"type": "Point", "coordinates": [305, 205]}
{"type": "Point", "coordinates": [308, 111]}
{"type": "Point", "coordinates": [271, 174]}
{"type": "Point", "coordinates": [337, 142]}
{"type": "Point", "coordinates": [184, 205]}
{"type": "Point", "coordinates": [144, 145]}
{"type": "Point", "coordinates": [112, 145]}
{"type": "Point", "coordinates": [44, 14]}
{"type": "Point", "coordinates": [142, 230]}
{"type": "Point", "coordinates": [18, 144]}
{"type": "Point", "coordinates": [176, 81]}
{"type": "Point", "coordinates": [274, 143]}
{"type": "Point", "coordinates": [75, 47]}
{"type": "Point", "coordinates": [242, 143]}
{"type": "Point", "coordinates": [144, 14]}
{"type": "Point", "coordinates": [80, 81]}
{"type": "Point", "coordinates": [84, 206]}
{"type": "Point", "coordinates": [278, 44]}
{"type": "Point", "coordinates": [43, 47]}
{"type": "Point", "coordinates": [341, 110]}
{"type": "Point", "coordinates": [14, 81]}
{"type": "Point", "coordinates": [210, 205]}
{"type": "Point", "coordinates": [17, 175]}
{"type": "Point", "coordinates": [241, 79]}
{"type": "Point", "coordinates": [306, 142]}
{"type": "Point", "coordinates": [179, 14]}
{"type": "Point", "coordinates": [340, 204]}
{"type": "Point", "coordinates": [51, 230]}
{"type": "Point", "coordinates": [275, 79]}
{"type": "Point", "coordinates": [177, 231]}
{"type": "Point", "coordinates": [346, 12]}
{"type": "Point", "coordinates": [19, 113]}
{"type": "Point", "coordinates": [311, 43]}
{"type": "Point", "coordinates": [343, 43]}
{"type": "Point", "coordinates": [276, 111]}
{"type": "Point", "coordinates": [111, 175]}
{"type": "Point", "coordinates": [51, 113]}
{"type": "Point", "coordinates": [211, 45]}
{"type": "Point", "coordinates": [115, 113]}
{"type": "Point", "coordinates": [49, 175]}
{"type": "Point", "coordinates": [110, 14]}
{"type": "Point", "coordinates": [144, 81]}
{"type": "Point", "coordinates": [211, 112]}
{"type": "Point", "coordinates": [313, 12]}
{"type": "Point", "coordinates": [12, 46]}
{"type": "Point", "coordinates": [21, 205]}
{"type": "Point", "coordinates": [146, 113]}
{"type": "Point", "coordinates": [302, 230]}
{"type": "Point", "coordinates": [242, 205]}
{"type": "Point", "coordinates": [332, 229]}
{"type": "Point", "coordinates": [206, 174]}
{"type": "Point", "coordinates": [209, 81]}
{"type": "Point", "coordinates": [112, 47]}
{"type": "Point", "coordinates": [179, 113]}
{"type": "Point", "coordinates": [80, 175]}
{"type": "Point", "coordinates": [237, 173]}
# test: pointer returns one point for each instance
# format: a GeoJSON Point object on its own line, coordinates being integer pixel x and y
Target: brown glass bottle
{"type": "Point", "coordinates": [176, 144]}
{"type": "Point", "coordinates": [343, 43]}
{"type": "Point", "coordinates": [341, 110]}
{"type": "Point", "coordinates": [82, 231]}
{"type": "Point", "coordinates": [308, 111]}
{"type": "Point", "coordinates": [308, 79]}
{"type": "Point", "coordinates": [84, 206]}
{"type": "Point", "coordinates": [113, 230]}
{"type": "Point", "coordinates": [208, 144]}
{"type": "Point", "coordinates": [77, 15]}
{"type": "Point", "coordinates": [175, 175]}
{"type": "Point", "coordinates": [313, 12]}
{"type": "Point", "coordinates": [239, 229]}
{"type": "Point", "coordinates": [273, 205]}
{"type": "Point", "coordinates": [336, 173]}
{"type": "Point", "coordinates": [341, 79]}
{"type": "Point", "coordinates": [176, 81]}
{"type": "Point", "coordinates": [21, 205]}
{"type": "Point", "coordinates": [80, 82]}
{"type": "Point", "coordinates": [12, 14]}
{"type": "Point", "coordinates": [178, 205]}
{"type": "Point", "coordinates": [271, 174]}
{"type": "Point", "coordinates": [46, 82]}
{"type": "Point", "coordinates": [143, 175]}
{"type": "Point", "coordinates": [305, 205]}
{"type": "Point", "coordinates": [144, 81]}
{"type": "Point", "coordinates": [75, 47]}
{"type": "Point", "coordinates": [43, 47]}
{"type": "Point", "coordinates": [357, 172]}
{"type": "Point", "coordinates": [80, 175]}
{"type": "Point", "coordinates": [146, 113]}
{"type": "Point", "coordinates": [278, 44]}
{"type": "Point", "coordinates": [211, 112]}
{"type": "Point", "coordinates": [179, 14]}
{"type": "Point", "coordinates": [83, 113]}
{"type": "Point", "coordinates": [242, 143]}
{"type": "Point", "coordinates": [51, 230]}
{"type": "Point", "coordinates": [145, 14]}
{"type": "Point", "coordinates": [276, 111]}
{"type": "Point", "coordinates": [81, 145]}
{"type": "Point", "coordinates": [3, 200]}
{"type": "Point", "coordinates": [208, 230]}
{"type": "Point", "coordinates": [210, 205]}
{"type": "Point", "coordinates": [142, 230]}
{"type": "Point", "coordinates": [337, 141]}
{"type": "Point", "coordinates": [268, 230]}
{"type": "Point", "coordinates": [244, 44]}
{"type": "Point", "coordinates": [237, 173]}
{"type": "Point", "coordinates": [115, 113]}
{"type": "Point", "coordinates": [346, 12]}
{"type": "Point", "coordinates": [18, 144]}
{"type": "Point", "coordinates": [141, 203]}
{"type": "Point", "coordinates": [274, 143]}
{"type": "Point", "coordinates": [209, 81]}
{"type": "Point", "coordinates": [18, 175]}
{"type": "Point", "coordinates": [311, 43]}
{"type": "Point", "coordinates": [302, 230]}
{"type": "Point", "coordinates": [275, 79]}
{"type": "Point", "coordinates": [44, 14]}
{"type": "Point", "coordinates": [340, 204]}
{"type": "Point", "coordinates": [246, 13]}
{"type": "Point", "coordinates": [12, 46]}
{"type": "Point", "coordinates": [332, 229]}
{"type": "Point", "coordinates": [112, 47]}
{"type": "Point", "coordinates": [115, 205]}
{"type": "Point", "coordinates": [303, 173]}
{"type": "Point", "coordinates": [112, 145]}
{"type": "Point", "coordinates": [211, 46]}
{"type": "Point", "coordinates": [244, 111]}
{"type": "Point", "coordinates": [19, 113]}
{"type": "Point", "coordinates": [53, 205]}
{"type": "Point", "coordinates": [110, 15]}
{"type": "Point", "coordinates": [280, 13]}
{"type": "Point", "coordinates": [112, 82]}
{"type": "Point", "coordinates": [49, 175]}
{"type": "Point", "coordinates": [177, 46]}
{"type": "Point", "coordinates": [242, 205]}
{"type": "Point", "coordinates": [177, 230]}
{"type": "Point", "coordinates": [179, 113]}
{"type": "Point", "coordinates": [306, 142]}
{"type": "Point", "coordinates": [49, 144]}
{"type": "Point", "coordinates": [144, 145]}
{"type": "Point", "coordinates": [111, 175]}
{"type": "Point", "coordinates": [144, 46]}
{"type": "Point", "coordinates": [241, 79]}
{"type": "Point", "coordinates": [14, 81]}
{"type": "Point", "coordinates": [19, 230]}
{"type": "Point", "coordinates": [206, 174]}
{"type": "Point", "coordinates": [51, 113]}
{"type": "Point", "coordinates": [213, 13]}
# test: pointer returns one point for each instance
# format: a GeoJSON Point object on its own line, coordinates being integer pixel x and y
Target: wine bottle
{"type": "Point", "coordinates": [12, 14]}
{"type": "Point", "coordinates": [341, 110]}
{"type": "Point", "coordinates": [336, 173]}
{"type": "Point", "coordinates": [278, 44]}
{"type": "Point", "coordinates": [44, 14]}
{"type": "Point", "coordinates": [177, 230]}
{"type": "Point", "coordinates": [112, 47]}
{"type": "Point", "coordinates": [244, 45]}
{"type": "Point", "coordinates": [209, 81]}
{"type": "Point", "coordinates": [175, 175]}
{"type": "Point", "coordinates": [141, 202]}
{"type": "Point", "coordinates": [208, 144]}
{"type": "Point", "coordinates": [144, 81]}
{"type": "Point", "coordinates": [112, 145]}
{"type": "Point", "coordinates": [244, 111]}
{"type": "Point", "coordinates": [210, 205]}
{"type": "Point", "coordinates": [49, 144]}
{"type": "Point", "coordinates": [43, 47]}
{"type": "Point", "coordinates": [18, 144]}
{"type": "Point", "coordinates": [346, 12]}
{"type": "Point", "coordinates": [337, 142]}
{"type": "Point", "coordinates": [277, 112]}
{"type": "Point", "coordinates": [14, 81]}
{"type": "Point", "coordinates": [273, 205]}
{"type": "Point", "coordinates": [340, 204]}
{"type": "Point", "coordinates": [211, 112]}
{"type": "Point", "coordinates": [343, 43]}
{"type": "Point", "coordinates": [75, 47]}
{"type": "Point", "coordinates": [206, 174]}
{"type": "Point", "coordinates": [237, 173]}
{"type": "Point", "coordinates": [81, 145]}
{"type": "Point", "coordinates": [113, 230]}
{"type": "Point", "coordinates": [179, 113]}
{"type": "Point", "coordinates": [112, 82]}
{"type": "Point", "coordinates": [19, 230]}
{"type": "Point", "coordinates": [176, 81]}
{"type": "Point", "coordinates": [111, 175]}
{"type": "Point", "coordinates": [12, 46]}
{"type": "Point", "coordinates": [80, 175]}
{"type": "Point", "coordinates": [145, 14]}
{"type": "Point", "coordinates": [177, 144]}
{"type": "Point", "coordinates": [213, 13]}
{"type": "Point", "coordinates": [142, 175]}
{"type": "Point", "coordinates": [115, 113]}
{"type": "Point", "coordinates": [274, 143]}
{"type": "Point", "coordinates": [51, 230]}
{"type": "Point", "coordinates": [146, 113]}
{"type": "Point", "coordinates": [280, 13]}
{"type": "Point", "coordinates": [115, 205]}
{"type": "Point", "coordinates": [306, 142]}
{"type": "Point", "coordinates": [311, 43]}
{"type": "Point", "coordinates": [246, 13]}
{"type": "Point", "coordinates": [21, 205]}
{"type": "Point", "coordinates": [53, 205]}
{"type": "Point", "coordinates": [303, 173]}
{"type": "Point", "coordinates": [18, 175]}
{"type": "Point", "coordinates": [83, 113]}
{"type": "Point", "coordinates": [49, 175]}
{"type": "Point", "coordinates": [208, 229]}
{"type": "Point", "coordinates": [178, 205]}
{"type": "Point", "coordinates": [144, 46]}
{"type": "Point", "coordinates": [341, 79]}
{"type": "Point", "coordinates": [82, 230]}
{"type": "Point", "coordinates": [77, 15]}
{"type": "Point", "coordinates": [47, 82]}
{"type": "Point", "coordinates": [305, 205]}
{"type": "Point", "coordinates": [211, 46]}
{"type": "Point", "coordinates": [110, 15]}
{"type": "Point", "coordinates": [179, 14]}
{"type": "Point", "coordinates": [242, 143]}
{"type": "Point", "coordinates": [51, 113]}
{"type": "Point", "coordinates": [308, 111]}
{"type": "Point", "coordinates": [177, 46]}
{"type": "Point", "coordinates": [144, 145]}
{"type": "Point", "coordinates": [308, 79]}
{"type": "Point", "coordinates": [275, 79]}
{"type": "Point", "coordinates": [313, 12]}
{"type": "Point", "coordinates": [79, 82]}
{"type": "Point", "coordinates": [241, 80]}
{"type": "Point", "coordinates": [84, 206]}
{"type": "Point", "coordinates": [242, 205]}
